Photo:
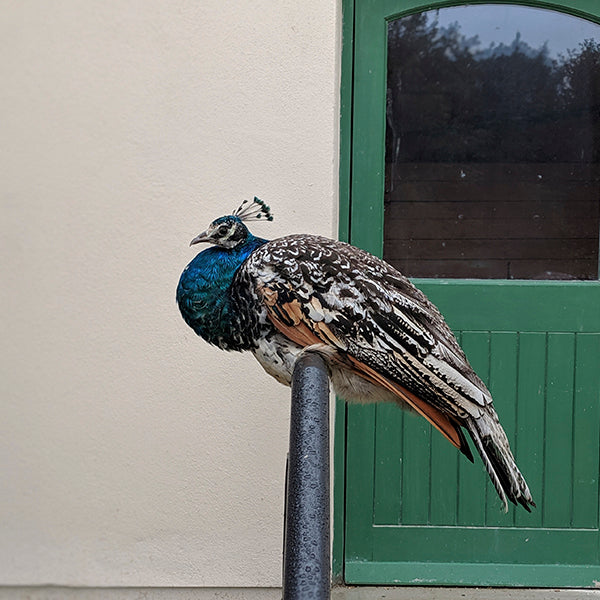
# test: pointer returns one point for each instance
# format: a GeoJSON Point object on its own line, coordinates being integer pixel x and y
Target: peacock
{"type": "Point", "coordinates": [381, 338]}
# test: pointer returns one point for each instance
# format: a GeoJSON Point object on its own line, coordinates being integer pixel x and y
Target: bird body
{"type": "Point", "coordinates": [381, 338]}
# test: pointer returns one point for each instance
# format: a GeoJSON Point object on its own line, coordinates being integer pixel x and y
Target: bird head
{"type": "Point", "coordinates": [230, 231]}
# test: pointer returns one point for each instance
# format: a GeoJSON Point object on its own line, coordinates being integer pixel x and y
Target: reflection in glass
{"type": "Point", "coordinates": [493, 144]}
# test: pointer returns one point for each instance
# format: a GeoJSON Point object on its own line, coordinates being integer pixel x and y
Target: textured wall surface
{"type": "Point", "coordinates": [133, 454]}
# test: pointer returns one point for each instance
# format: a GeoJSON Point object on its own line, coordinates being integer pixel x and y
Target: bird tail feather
{"type": "Point", "coordinates": [492, 444]}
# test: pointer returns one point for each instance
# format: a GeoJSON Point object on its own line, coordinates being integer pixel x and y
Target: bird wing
{"type": "Point", "coordinates": [291, 319]}
{"type": "Point", "coordinates": [319, 291]}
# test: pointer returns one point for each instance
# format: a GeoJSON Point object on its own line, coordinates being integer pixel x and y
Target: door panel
{"type": "Point", "coordinates": [420, 503]}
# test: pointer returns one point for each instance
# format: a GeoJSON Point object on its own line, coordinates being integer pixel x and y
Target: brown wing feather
{"type": "Point", "coordinates": [438, 419]}
{"type": "Point", "coordinates": [290, 320]}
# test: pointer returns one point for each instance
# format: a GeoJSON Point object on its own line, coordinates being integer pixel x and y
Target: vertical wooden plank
{"type": "Point", "coordinates": [345, 131]}
{"type": "Point", "coordinates": [415, 470]}
{"type": "Point", "coordinates": [558, 460]}
{"type": "Point", "coordinates": [503, 382]}
{"type": "Point", "coordinates": [444, 473]}
{"type": "Point", "coordinates": [368, 129]}
{"type": "Point", "coordinates": [529, 446]}
{"type": "Point", "coordinates": [472, 478]}
{"type": "Point", "coordinates": [360, 450]}
{"type": "Point", "coordinates": [388, 464]}
{"type": "Point", "coordinates": [586, 438]}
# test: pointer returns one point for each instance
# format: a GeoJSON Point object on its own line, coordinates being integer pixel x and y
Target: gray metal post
{"type": "Point", "coordinates": [306, 559]}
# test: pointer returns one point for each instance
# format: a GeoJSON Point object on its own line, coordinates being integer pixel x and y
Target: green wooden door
{"type": "Point", "coordinates": [415, 511]}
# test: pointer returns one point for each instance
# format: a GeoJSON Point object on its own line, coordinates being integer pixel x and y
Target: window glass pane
{"type": "Point", "coordinates": [493, 144]}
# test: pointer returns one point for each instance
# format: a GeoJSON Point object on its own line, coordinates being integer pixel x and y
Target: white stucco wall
{"type": "Point", "coordinates": [131, 453]}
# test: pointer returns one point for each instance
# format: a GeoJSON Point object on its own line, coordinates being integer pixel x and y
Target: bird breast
{"type": "Point", "coordinates": [277, 356]}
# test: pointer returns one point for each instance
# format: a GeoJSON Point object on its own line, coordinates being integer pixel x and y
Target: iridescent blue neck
{"type": "Point", "coordinates": [203, 293]}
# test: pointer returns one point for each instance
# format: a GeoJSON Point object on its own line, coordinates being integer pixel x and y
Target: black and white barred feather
{"type": "Point", "coordinates": [364, 312]}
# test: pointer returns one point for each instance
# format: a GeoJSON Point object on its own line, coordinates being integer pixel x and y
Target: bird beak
{"type": "Point", "coordinates": [203, 237]}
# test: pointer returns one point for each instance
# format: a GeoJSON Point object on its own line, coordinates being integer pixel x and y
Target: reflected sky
{"type": "Point", "coordinates": [500, 24]}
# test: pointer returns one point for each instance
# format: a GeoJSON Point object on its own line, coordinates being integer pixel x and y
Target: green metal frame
{"type": "Point", "coordinates": [361, 201]}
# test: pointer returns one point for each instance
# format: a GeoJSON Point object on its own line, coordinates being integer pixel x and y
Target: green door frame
{"type": "Point", "coordinates": [361, 192]}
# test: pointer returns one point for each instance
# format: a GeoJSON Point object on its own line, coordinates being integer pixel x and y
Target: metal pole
{"type": "Point", "coordinates": [306, 555]}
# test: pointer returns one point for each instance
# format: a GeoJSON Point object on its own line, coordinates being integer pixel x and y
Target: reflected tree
{"type": "Point", "coordinates": [579, 93]}
{"type": "Point", "coordinates": [451, 100]}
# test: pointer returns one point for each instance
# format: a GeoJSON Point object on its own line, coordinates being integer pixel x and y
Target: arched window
{"type": "Point", "coordinates": [493, 143]}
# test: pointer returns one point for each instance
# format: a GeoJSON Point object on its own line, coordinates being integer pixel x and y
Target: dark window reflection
{"type": "Point", "coordinates": [493, 145]}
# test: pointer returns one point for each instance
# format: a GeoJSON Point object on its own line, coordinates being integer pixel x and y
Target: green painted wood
{"type": "Point", "coordinates": [531, 386]}
{"type": "Point", "coordinates": [443, 499]}
{"type": "Point", "coordinates": [416, 441]}
{"type": "Point", "coordinates": [520, 305]}
{"type": "Point", "coordinates": [586, 415]}
{"type": "Point", "coordinates": [557, 507]}
{"type": "Point", "coordinates": [503, 545]}
{"type": "Point", "coordinates": [503, 377]}
{"type": "Point", "coordinates": [587, 9]}
{"type": "Point", "coordinates": [458, 574]}
{"type": "Point", "coordinates": [536, 343]}
{"type": "Point", "coordinates": [360, 453]}
{"type": "Point", "coordinates": [346, 103]}
{"type": "Point", "coordinates": [542, 382]}
{"type": "Point", "coordinates": [388, 464]}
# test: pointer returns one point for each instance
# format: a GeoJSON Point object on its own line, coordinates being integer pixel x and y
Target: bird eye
{"type": "Point", "coordinates": [222, 229]}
